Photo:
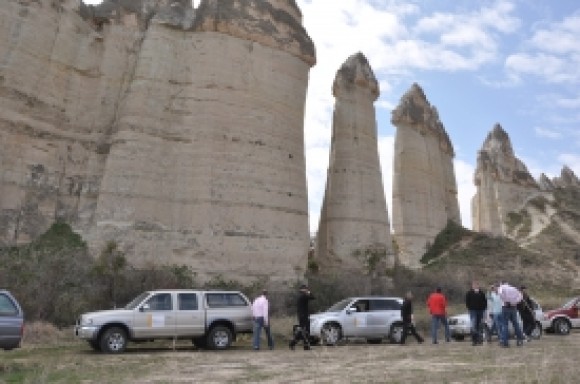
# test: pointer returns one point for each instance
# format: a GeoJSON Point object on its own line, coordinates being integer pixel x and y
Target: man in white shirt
{"type": "Point", "coordinates": [260, 310]}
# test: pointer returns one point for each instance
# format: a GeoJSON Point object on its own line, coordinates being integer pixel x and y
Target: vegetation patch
{"type": "Point", "coordinates": [452, 234]}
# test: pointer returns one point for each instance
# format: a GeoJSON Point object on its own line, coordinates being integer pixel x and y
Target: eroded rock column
{"type": "Point", "coordinates": [354, 231]}
{"type": "Point", "coordinates": [424, 186]}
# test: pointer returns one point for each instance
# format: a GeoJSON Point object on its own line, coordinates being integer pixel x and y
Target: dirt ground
{"type": "Point", "coordinates": [552, 359]}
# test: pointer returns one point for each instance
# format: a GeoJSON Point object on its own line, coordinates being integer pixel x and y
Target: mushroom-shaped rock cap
{"type": "Point", "coordinates": [356, 71]}
{"type": "Point", "coordinates": [415, 111]}
{"type": "Point", "coordinates": [498, 140]}
{"type": "Point", "coordinates": [273, 23]}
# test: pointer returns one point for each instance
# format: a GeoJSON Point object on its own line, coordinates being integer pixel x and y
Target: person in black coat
{"type": "Point", "coordinates": [302, 334]}
{"type": "Point", "coordinates": [526, 311]}
{"type": "Point", "coordinates": [407, 316]}
{"type": "Point", "coordinates": [476, 303]}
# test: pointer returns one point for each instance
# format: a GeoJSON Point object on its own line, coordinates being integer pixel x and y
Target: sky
{"type": "Point", "coordinates": [512, 62]}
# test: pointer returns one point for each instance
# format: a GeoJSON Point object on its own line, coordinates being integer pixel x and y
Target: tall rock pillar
{"type": "Point", "coordinates": [207, 164]}
{"type": "Point", "coordinates": [424, 186]}
{"type": "Point", "coordinates": [503, 184]}
{"type": "Point", "coordinates": [354, 231]}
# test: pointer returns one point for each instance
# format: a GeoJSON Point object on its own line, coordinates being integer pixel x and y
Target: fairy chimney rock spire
{"type": "Point", "coordinates": [355, 73]}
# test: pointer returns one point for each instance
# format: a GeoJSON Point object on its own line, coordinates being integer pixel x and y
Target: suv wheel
{"type": "Point", "coordinates": [396, 333]}
{"type": "Point", "coordinates": [113, 340]}
{"type": "Point", "coordinates": [561, 326]}
{"type": "Point", "coordinates": [220, 337]}
{"type": "Point", "coordinates": [331, 334]}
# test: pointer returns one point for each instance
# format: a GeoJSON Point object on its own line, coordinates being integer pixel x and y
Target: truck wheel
{"type": "Point", "coordinates": [561, 326]}
{"type": "Point", "coordinates": [219, 337]}
{"type": "Point", "coordinates": [200, 342]}
{"type": "Point", "coordinates": [396, 333]}
{"type": "Point", "coordinates": [95, 345]}
{"type": "Point", "coordinates": [113, 340]}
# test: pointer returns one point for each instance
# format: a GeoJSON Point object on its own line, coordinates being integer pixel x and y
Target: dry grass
{"type": "Point", "coordinates": [57, 359]}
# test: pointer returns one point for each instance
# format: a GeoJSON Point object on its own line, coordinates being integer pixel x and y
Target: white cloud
{"type": "Point", "coordinates": [547, 133]}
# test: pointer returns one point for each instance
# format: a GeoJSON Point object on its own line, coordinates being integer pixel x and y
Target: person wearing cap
{"type": "Point", "coordinates": [304, 297]}
{"type": "Point", "coordinates": [260, 310]}
{"type": "Point", "coordinates": [437, 304]}
{"type": "Point", "coordinates": [526, 311]}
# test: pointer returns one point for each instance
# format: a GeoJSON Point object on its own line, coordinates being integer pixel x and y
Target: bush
{"type": "Point", "coordinates": [450, 235]}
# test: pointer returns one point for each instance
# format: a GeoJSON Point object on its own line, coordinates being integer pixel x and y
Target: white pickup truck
{"type": "Point", "coordinates": [209, 318]}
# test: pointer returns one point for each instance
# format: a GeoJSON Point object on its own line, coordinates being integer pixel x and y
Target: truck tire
{"type": "Point", "coordinates": [219, 337]}
{"type": "Point", "coordinates": [113, 340]}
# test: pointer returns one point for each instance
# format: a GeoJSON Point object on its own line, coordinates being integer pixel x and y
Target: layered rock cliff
{"type": "Point", "coordinates": [503, 184]}
{"type": "Point", "coordinates": [424, 185]}
{"type": "Point", "coordinates": [176, 132]}
{"type": "Point", "coordinates": [354, 231]}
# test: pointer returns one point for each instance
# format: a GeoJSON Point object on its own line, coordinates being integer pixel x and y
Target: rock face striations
{"type": "Point", "coordinates": [424, 186]}
{"type": "Point", "coordinates": [503, 184]}
{"type": "Point", "coordinates": [176, 132]}
{"type": "Point", "coordinates": [354, 232]}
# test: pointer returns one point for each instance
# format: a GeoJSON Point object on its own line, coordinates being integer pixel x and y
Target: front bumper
{"type": "Point", "coordinates": [86, 332]}
{"type": "Point", "coordinates": [459, 330]}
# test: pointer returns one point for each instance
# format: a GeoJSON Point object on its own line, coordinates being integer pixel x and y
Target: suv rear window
{"type": "Point", "coordinates": [385, 305]}
{"type": "Point", "coordinates": [7, 307]}
{"type": "Point", "coordinates": [217, 300]}
{"type": "Point", "coordinates": [187, 301]}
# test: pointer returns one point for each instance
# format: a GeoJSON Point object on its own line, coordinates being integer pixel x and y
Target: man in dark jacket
{"type": "Point", "coordinates": [476, 304]}
{"type": "Point", "coordinates": [407, 316]}
{"type": "Point", "coordinates": [526, 310]}
{"type": "Point", "coordinates": [303, 332]}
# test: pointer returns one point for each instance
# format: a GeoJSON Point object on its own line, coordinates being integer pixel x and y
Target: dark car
{"type": "Point", "coordinates": [11, 321]}
{"type": "Point", "coordinates": [563, 319]}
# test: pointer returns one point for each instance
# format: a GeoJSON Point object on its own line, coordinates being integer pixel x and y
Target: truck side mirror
{"type": "Point", "coordinates": [145, 307]}
{"type": "Point", "coordinates": [350, 310]}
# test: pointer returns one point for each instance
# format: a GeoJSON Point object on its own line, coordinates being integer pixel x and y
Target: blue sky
{"type": "Point", "coordinates": [513, 62]}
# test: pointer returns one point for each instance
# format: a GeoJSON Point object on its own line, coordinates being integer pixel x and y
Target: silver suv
{"type": "Point", "coordinates": [11, 321]}
{"type": "Point", "coordinates": [208, 318]}
{"type": "Point", "coordinates": [372, 318]}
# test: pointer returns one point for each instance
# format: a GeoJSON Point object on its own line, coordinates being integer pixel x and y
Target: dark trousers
{"type": "Point", "coordinates": [302, 333]}
{"type": "Point", "coordinates": [476, 318]}
{"type": "Point", "coordinates": [409, 327]}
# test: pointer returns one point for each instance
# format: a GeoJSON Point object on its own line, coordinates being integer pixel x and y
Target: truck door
{"type": "Point", "coordinates": [155, 318]}
{"type": "Point", "coordinates": [189, 317]}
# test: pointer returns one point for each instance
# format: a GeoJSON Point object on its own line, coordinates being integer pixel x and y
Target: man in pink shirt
{"type": "Point", "coordinates": [261, 320]}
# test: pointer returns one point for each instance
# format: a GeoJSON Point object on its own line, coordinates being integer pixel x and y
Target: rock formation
{"type": "Point", "coordinates": [567, 179]}
{"type": "Point", "coordinates": [354, 232]}
{"type": "Point", "coordinates": [424, 186]}
{"type": "Point", "coordinates": [176, 132]}
{"type": "Point", "coordinates": [503, 184]}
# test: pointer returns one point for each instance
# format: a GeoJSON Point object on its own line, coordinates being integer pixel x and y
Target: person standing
{"type": "Point", "coordinates": [476, 304]}
{"type": "Point", "coordinates": [494, 305]}
{"type": "Point", "coordinates": [260, 313]}
{"type": "Point", "coordinates": [407, 316]}
{"type": "Point", "coordinates": [437, 304]}
{"type": "Point", "coordinates": [304, 297]}
{"type": "Point", "coordinates": [526, 311]}
{"type": "Point", "coordinates": [510, 297]}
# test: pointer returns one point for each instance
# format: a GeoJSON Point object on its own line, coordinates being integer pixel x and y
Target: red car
{"type": "Point", "coordinates": [563, 319]}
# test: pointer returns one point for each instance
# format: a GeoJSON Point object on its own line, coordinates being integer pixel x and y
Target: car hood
{"type": "Point", "coordinates": [462, 317]}
{"type": "Point", "coordinates": [109, 313]}
{"type": "Point", "coordinates": [554, 312]}
{"type": "Point", "coordinates": [321, 315]}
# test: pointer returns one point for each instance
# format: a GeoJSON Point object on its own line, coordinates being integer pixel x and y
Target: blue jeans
{"type": "Point", "coordinates": [497, 325]}
{"type": "Point", "coordinates": [476, 317]}
{"type": "Point", "coordinates": [510, 314]}
{"type": "Point", "coordinates": [258, 325]}
{"type": "Point", "coordinates": [435, 327]}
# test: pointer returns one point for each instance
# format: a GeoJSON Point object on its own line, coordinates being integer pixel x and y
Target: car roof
{"type": "Point", "coordinates": [374, 298]}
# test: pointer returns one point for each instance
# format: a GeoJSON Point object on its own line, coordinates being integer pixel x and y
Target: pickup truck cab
{"type": "Point", "coordinates": [209, 318]}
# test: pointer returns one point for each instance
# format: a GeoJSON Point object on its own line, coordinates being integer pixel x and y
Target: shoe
{"type": "Point", "coordinates": [503, 345]}
{"type": "Point", "coordinates": [520, 343]}
{"type": "Point", "coordinates": [435, 342]}
{"type": "Point", "coordinates": [256, 349]}
{"type": "Point", "coordinates": [306, 348]}
{"type": "Point", "coordinates": [420, 341]}
{"type": "Point", "coordinates": [291, 345]}
{"type": "Point", "coordinates": [447, 340]}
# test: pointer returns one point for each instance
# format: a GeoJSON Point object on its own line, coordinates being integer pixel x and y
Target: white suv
{"type": "Point", "coordinates": [372, 318]}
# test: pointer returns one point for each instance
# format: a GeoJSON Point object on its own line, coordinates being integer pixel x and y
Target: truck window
{"type": "Point", "coordinates": [160, 302]}
{"type": "Point", "coordinates": [187, 301]}
{"type": "Point", "coordinates": [217, 300]}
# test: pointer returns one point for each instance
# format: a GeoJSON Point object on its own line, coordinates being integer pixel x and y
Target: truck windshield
{"type": "Point", "coordinates": [136, 301]}
{"type": "Point", "coordinates": [339, 306]}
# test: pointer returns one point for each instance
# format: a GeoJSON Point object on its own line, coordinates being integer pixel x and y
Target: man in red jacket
{"type": "Point", "coordinates": [437, 304]}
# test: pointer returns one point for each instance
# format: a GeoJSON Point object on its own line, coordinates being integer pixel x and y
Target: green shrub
{"type": "Point", "coordinates": [450, 235]}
